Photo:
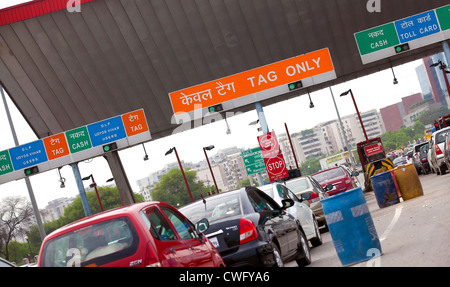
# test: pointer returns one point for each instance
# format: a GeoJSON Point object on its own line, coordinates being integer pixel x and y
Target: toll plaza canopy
{"type": "Point", "coordinates": [65, 68]}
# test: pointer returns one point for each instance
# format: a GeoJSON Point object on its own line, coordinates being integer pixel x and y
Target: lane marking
{"type": "Point", "coordinates": [391, 225]}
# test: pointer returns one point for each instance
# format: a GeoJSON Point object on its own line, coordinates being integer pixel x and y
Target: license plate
{"type": "Point", "coordinates": [214, 242]}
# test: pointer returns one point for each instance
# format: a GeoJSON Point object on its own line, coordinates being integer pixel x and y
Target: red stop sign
{"type": "Point", "coordinates": [276, 168]}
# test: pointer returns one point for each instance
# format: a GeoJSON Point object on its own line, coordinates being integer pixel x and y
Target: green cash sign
{"type": "Point", "coordinates": [377, 38]}
{"type": "Point", "coordinates": [78, 139]}
{"type": "Point", "coordinates": [5, 163]}
{"type": "Point", "coordinates": [443, 15]}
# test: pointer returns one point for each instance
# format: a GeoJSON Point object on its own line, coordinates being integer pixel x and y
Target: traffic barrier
{"type": "Point", "coordinates": [408, 181]}
{"type": "Point", "coordinates": [351, 227]}
{"type": "Point", "coordinates": [384, 189]}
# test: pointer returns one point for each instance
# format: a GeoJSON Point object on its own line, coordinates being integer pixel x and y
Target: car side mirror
{"type": "Point", "coordinates": [287, 203]}
{"type": "Point", "coordinates": [202, 225]}
{"type": "Point", "coordinates": [329, 187]}
{"type": "Point", "coordinates": [355, 173]}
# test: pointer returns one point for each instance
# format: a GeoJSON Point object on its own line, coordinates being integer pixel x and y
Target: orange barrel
{"type": "Point", "coordinates": [408, 181]}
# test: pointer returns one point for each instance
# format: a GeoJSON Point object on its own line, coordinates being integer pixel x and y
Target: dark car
{"type": "Point", "coordinates": [249, 228]}
{"type": "Point", "coordinates": [424, 164]}
{"type": "Point", "coordinates": [416, 156]}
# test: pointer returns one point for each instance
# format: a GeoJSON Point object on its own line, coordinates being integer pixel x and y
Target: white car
{"type": "Point", "coordinates": [300, 211]}
{"type": "Point", "coordinates": [436, 151]}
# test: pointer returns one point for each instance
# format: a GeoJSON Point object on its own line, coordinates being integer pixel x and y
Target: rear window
{"type": "Point", "coordinates": [298, 186]}
{"type": "Point", "coordinates": [329, 174]}
{"type": "Point", "coordinates": [440, 137]}
{"type": "Point", "coordinates": [214, 208]}
{"type": "Point", "coordinates": [93, 245]}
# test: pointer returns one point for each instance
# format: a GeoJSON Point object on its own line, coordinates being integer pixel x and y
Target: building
{"type": "Point", "coordinates": [55, 209]}
{"type": "Point", "coordinates": [393, 115]}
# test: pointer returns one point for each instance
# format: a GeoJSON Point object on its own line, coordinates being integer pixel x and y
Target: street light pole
{"type": "Point", "coordinates": [94, 184]}
{"type": "Point", "coordinates": [357, 111]}
{"type": "Point", "coordinates": [182, 171]}
{"type": "Point", "coordinates": [210, 169]}
{"type": "Point", "coordinates": [443, 67]}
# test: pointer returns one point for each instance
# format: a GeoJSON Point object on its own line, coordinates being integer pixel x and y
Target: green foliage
{"type": "Point", "coordinates": [428, 117]}
{"type": "Point", "coordinates": [311, 165]}
{"type": "Point", "coordinates": [401, 138]}
{"type": "Point", "coordinates": [172, 188]}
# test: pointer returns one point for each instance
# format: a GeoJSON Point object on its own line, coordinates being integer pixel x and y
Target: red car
{"type": "Point", "coordinates": [144, 234]}
{"type": "Point", "coordinates": [340, 178]}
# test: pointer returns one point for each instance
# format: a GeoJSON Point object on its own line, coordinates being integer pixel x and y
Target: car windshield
{"type": "Point", "coordinates": [298, 186]}
{"type": "Point", "coordinates": [329, 174]}
{"type": "Point", "coordinates": [214, 208]}
{"type": "Point", "coordinates": [93, 245]}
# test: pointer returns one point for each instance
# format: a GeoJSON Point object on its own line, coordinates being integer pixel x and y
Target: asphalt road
{"type": "Point", "coordinates": [412, 233]}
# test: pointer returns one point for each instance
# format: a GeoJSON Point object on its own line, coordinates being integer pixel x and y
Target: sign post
{"type": "Point", "coordinates": [273, 158]}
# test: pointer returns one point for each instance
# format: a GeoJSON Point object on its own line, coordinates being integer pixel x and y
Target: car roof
{"type": "Point", "coordinates": [334, 167]}
{"type": "Point", "coordinates": [92, 219]}
{"type": "Point", "coordinates": [216, 195]}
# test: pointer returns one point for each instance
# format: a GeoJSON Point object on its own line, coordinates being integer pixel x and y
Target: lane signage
{"type": "Point", "coordinates": [416, 31]}
{"type": "Point", "coordinates": [78, 139]}
{"type": "Point", "coordinates": [106, 131]}
{"type": "Point", "coordinates": [28, 155]}
{"type": "Point", "coordinates": [254, 161]}
{"type": "Point", "coordinates": [254, 85]}
{"type": "Point", "coordinates": [75, 145]}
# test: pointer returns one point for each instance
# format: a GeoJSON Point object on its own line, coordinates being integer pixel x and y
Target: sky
{"type": "Point", "coordinates": [371, 92]}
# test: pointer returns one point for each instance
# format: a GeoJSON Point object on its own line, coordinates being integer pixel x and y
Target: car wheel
{"type": "Point", "coordinates": [303, 253]}
{"type": "Point", "coordinates": [277, 256]}
{"type": "Point", "coordinates": [442, 169]}
{"type": "Point", "coordinates": [316, 241]}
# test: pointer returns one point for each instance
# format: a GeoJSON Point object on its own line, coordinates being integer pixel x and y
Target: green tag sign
{"type": "Point", "coordinates": [78, 139]}
{"type": "Point", "coordinates": [5, 163]}
{"type": "Point", "coordinates": [443, 15]}
{"type": "Point", "coordinates": [377, 38]}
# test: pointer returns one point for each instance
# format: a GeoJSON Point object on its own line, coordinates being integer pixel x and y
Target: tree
{"type": "Point", "coordinates": [172, 188]}
{"type": "Point", "coordinates": [14, 210]}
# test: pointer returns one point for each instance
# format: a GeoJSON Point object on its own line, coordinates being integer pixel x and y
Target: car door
{"type": "Point", "coordinates": [304, 213]}
{"type": "Point", "coordinates": [171, 249]}
{"type": "Point", "coordinates": [281, 225]}
{"type": "Point", "coordinates": [199, 249]}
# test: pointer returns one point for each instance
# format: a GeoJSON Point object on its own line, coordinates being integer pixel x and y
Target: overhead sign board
{"type": "Point", "coordinates": [75, 145]}
{"type": "Point", "coordinates": [254, 85]}
{"type": "Point", "coordinates": [254, 161]}
{"type": "Point", "coordinates": [273, 158]}
{"type": "Point", "coordinates": [417, 31]}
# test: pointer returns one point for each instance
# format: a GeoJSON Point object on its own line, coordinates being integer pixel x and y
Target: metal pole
{"type": "Point", "coordinates": [446, 48]}
{"type": "Point", "coordinates": [96, 192]}
{"type": "Point", "coordinates": [184, 176]}
{"type": "Point", "coordinates": [292, 146]}
{"type": "Point", "coordinates": [359, 116]}
{"type": "Point", "coordinates": [81, 191]}
{"type": "Point", "coordinates": [212, 173]}
{"type": "Point", "coordinates": [27, 180]}
{"type": "Point", "coordinates": [262, 118]}
{"type": "Point", "coordinates": [343, 130]}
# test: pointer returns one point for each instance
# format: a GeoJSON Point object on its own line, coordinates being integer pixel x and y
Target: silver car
{"type": "Point", "coordinates": [436, 151]}
{"type": "Point", "coordinates": [301, 212]}
{"type": "Point", "coordinates": [311, 192]}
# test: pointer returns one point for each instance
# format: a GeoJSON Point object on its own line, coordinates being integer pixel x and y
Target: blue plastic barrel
{"type": "Point", "coordinates": [384, 188]}
{"type": "Point", "coordinates": [351, 227]}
